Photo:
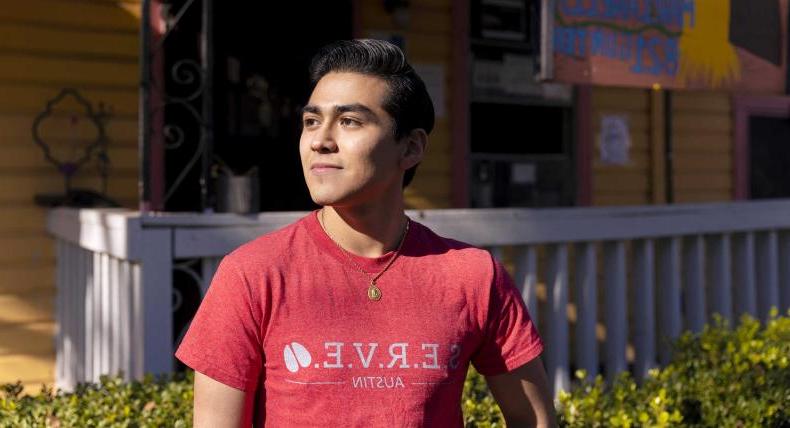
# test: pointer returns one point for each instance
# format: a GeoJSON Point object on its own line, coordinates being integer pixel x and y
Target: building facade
{"type": "Point", "coordinates": [502, 137]}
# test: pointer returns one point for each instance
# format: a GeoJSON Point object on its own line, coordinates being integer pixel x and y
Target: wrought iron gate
{"type": "Point", "coordinates": [175, 100]}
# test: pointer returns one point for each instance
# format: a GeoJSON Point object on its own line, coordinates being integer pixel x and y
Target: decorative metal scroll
{"type": "Point", "coordinates": [188, 285]}
{"type": "Point", "coordinates": [69, 167]}
{"type": "Point", "coordinates": [177, 100]}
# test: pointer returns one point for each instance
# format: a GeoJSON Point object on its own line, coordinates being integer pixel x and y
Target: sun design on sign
{"type": "Point", "coordinates": [706, 54]}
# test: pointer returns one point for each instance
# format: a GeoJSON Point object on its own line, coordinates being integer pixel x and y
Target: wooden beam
{"type": "Point", "coordinates": [657, 141]}
{"type": "Point", "coordinates": [584, 146]}
{"type": "Point", "coordinates": [460, 104]}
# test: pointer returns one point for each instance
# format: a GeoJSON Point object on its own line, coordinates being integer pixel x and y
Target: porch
{"type": "Point", "coordinates": [608, 287]}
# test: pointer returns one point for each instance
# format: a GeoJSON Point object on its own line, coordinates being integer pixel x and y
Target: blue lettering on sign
{"type": "Point", "coordinates": [656, 55]}
{"type": "Point", "coordinates": [572, 41]}
{"type": "Point", "coordinates": [597, 46]}
{"type": "Point", "coordinates": [604, 43]}
{"type": "Point", "coordinates": [652, 55]}
{"type": "Point", "coordinates": [640, 66]}
{"type": "Point", "coordinates": [653, 49]}
{"type": "Point", "coordinates": [672, 57]}
{"type": "Point", "coordinates": [612, 9]}
{"type": "Point", "coordinates": [626, 43]}
{"type": "Point", "coordinates": [641, 11]}
{"type": "Point", "coordinates": [561, 44]}
{"type": "Point", "coordinates": [670, 13]}
{"type": "Point", "coordinates": [569, 8]}
{"type": "Point", "coordinates": [581, 41]}
{"type": "Point", "coordinates": [563, 41]}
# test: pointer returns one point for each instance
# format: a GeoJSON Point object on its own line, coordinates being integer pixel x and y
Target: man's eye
{"type": "Point", "coordinates": [308, 122]}
{"type": "Point", "coordinates": [347, 121]}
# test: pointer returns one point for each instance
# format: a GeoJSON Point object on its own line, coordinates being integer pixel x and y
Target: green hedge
{"type": "Point", "coordinates": [720, 378]}
{"type": "Point", "coordinates": [153, 402]}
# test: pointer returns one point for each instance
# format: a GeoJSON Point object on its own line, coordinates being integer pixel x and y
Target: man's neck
{"type": "Point", "coordinates": [368, 231]}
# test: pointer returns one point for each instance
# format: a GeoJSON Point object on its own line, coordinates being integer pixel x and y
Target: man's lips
{"type": "Point", "coordinates": [322, 168]}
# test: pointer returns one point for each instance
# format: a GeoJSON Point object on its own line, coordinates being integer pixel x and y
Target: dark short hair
{"type": "Point", "coordinates": [408, 101]}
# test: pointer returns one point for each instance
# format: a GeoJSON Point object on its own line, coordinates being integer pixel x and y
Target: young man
{"type": "Point", "coordinates": [356, 315]}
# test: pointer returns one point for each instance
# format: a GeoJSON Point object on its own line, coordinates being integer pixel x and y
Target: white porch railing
{"type": "Point", "coordinates": [613, 284]}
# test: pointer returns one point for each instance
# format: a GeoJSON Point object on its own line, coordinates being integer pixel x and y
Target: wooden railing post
{"type": "Point", "coordinates": [557, 318]}
{"type": "Point", "coordinates": [63, 316]}
{"type": "Point", "coordinates": [527, 279]}
{"type": "Point", "coordinates": [84, 260]}
{"type": "Point", "coordinates": [767, 273]}
{"type": "Point", "coordinates": [784, 272]}
{"type": "Point", "coordinates": [105, 316]}
{"type": "Point", "coordinates": [669, 313]}
{"type": "Point", "coordinates": [586, 299]}
{"type": "Point", "coordinates": [125, 293]}
{"type": "Point", "coordinates": [720, 276]}
{"type": "Point", "coordinates": [615, 309]}
{"type": "Point", "coordinates": [644, 308]}
{"type": "Point", "coordinates": [91, 317]}
{"type": "Point", "coordinates": [745, 294]}
{"type": "Point", "coordinates": [153, 302]}
{"type": "Point", "coordinates": [694, 282]}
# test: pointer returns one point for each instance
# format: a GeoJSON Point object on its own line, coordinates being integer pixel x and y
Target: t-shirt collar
{"type": "Point", "coordinates": [371, 265]}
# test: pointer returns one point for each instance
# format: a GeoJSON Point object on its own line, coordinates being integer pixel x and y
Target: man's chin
{"type": "Point", "coordinates": [325, 200]}
{"type": "Point", "coordinates": [346, 197]}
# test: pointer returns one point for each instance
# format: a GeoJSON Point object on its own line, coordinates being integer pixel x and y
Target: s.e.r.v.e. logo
{"type": "Point", "coordinates": [296, 356]}
{"type": "Point", "coordinates": [399, 355]}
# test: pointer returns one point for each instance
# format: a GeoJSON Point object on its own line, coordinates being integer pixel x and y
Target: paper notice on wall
{"type": "Point", "coordinates": [433, 76]}
{"type": "Point", "coordinates": [615, 140]}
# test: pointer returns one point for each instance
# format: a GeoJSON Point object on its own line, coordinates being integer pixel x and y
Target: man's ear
{"type": "Point", "coordinates": [413, 148]}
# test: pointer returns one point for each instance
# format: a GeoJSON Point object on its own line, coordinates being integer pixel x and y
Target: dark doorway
{"type": "Point", "coordinates": [521, 150]}
{"type": "Point", "coordinates": [263, 50]}
{"type": "Point", "coordinates": [769, 157]}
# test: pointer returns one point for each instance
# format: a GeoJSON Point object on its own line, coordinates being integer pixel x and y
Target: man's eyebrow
{"type": "Point", "coordinates": [355, 108]}
{"type": "Point", "coordinates": [345, 108]}
{"type": "Point", "coordinates": [311, 109]}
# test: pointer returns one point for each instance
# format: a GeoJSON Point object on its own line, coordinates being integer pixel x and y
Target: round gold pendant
{"type": "Point", "coordinates": [374, 293]}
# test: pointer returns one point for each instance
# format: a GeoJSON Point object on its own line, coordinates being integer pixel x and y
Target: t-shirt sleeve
{"type": "Point", "coordinates": [510, 338]}
{"type": "Point", "coordinates": [224, 339]}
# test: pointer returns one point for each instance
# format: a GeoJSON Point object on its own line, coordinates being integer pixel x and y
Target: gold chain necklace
{"type": "Point", "coordinates": [374, 292]}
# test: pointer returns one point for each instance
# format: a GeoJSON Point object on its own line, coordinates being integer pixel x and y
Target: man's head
{"type": "Point", "coordinates": [405, 99]}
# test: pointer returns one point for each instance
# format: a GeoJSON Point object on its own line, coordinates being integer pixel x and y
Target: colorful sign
{"type": "Point", "coordinates": [733, 44]}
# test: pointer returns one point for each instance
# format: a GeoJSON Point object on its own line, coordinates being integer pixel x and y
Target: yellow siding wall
{"type": "Point", "coordinates": [628, 184]}
{"type": "Point", "coordinates": [47, 45]}
{"type": "Point", "coordinates": [703, 146]}
{"type": "Point", "coordinates": [702, 138]}
{"type": "Point", "coordinates": [428, 41]}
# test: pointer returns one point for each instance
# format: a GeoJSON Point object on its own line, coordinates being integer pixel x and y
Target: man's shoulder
{"type": "Point", "coordinates": [270, 246]}
{"type": "Point", "coordinates": [453, 251]}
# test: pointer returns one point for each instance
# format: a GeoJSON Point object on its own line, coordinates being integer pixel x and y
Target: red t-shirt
{"type": "Point", "coordinates": [287, 315]}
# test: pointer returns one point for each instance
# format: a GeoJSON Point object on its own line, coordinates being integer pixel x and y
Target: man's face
{"type": "Point", "coordinates": [348, 147]}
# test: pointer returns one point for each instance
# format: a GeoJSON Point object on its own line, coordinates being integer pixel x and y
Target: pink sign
{"type": "Point", "coordinates": [728, 44]}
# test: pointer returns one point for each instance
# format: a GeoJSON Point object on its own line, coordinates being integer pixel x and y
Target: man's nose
{"type": "Point", "coordinates": [324, 140]}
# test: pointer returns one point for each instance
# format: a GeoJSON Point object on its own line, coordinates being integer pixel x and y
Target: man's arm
{"type": "Point", "coordinates": [216, 404]}
{"type": "Point", "coordinates": [523, 395]}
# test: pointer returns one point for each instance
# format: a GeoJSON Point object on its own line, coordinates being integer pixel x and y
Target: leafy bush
{"type": "Point", "coordinates": [153, 402]}
{"type": "Point", "coordinates": [478, 405]}
{"type": "Point", "coordinates": [719, 378]}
